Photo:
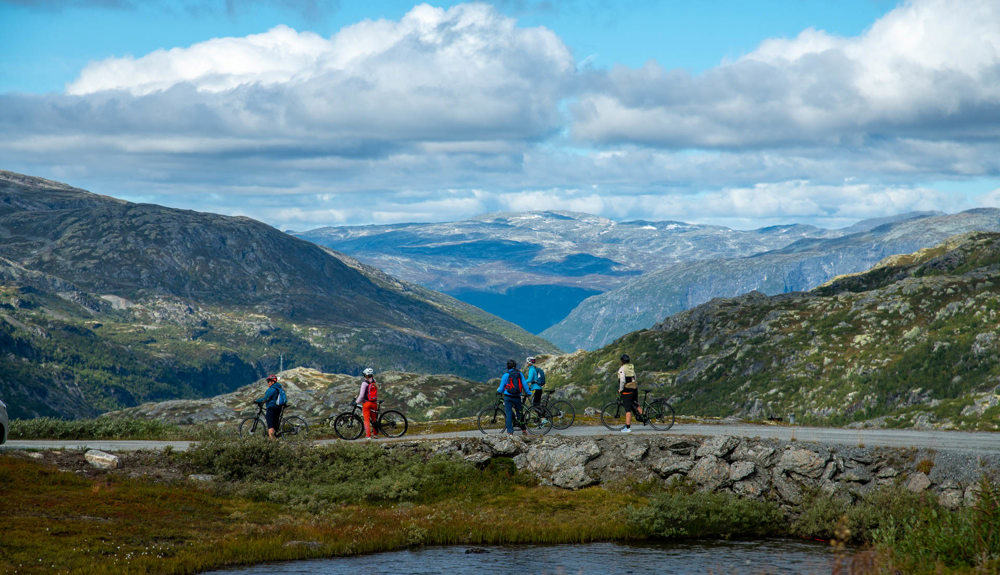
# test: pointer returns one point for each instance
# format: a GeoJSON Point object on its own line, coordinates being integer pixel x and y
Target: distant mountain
{"type": "Point", "coordinates": [105, 304]}
{"type": "Point", "coordinates": [533, 268]}
{"type": "Point", "coordinates": [799, 266]}
{"type": "Point", "coordinates": [913, 342]}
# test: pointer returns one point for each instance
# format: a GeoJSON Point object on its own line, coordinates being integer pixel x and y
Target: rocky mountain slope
{"type": "Point", "coordinates": [316, 396]}
{"type": "Point", "coordinates": [801, 265]}
{"type": "Point", "coordinates": [533, 268]}
{"type": "Point", "coordinates": [105, 304]}
{"type": "Point", "coordinates": [913, 342]}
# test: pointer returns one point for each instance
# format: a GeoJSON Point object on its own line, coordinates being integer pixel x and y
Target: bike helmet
{"type": "Point", "coordinates": [272, 378]}
{"type": "Point", "coordinates": [625, 358]}
{"type": "Point", "coordinates": [530, 360]}
{"type": "Point", "coordinates": [368, 371]}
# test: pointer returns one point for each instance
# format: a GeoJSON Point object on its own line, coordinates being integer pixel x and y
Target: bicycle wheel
{"type": "Point", "coordinates": [392, 423]}
{"type": "Point", "coordinates": [294, 428]}
{"type": "Point", "coordinates": [613, 415]}
{"type": "Point", "coordinates": [249, 429]}
{"type": "Point", "coordinates": [349, 426]}
{"type": "Point", "coordinates": [536, 420]}
{"type": "Point", "coordinates": [562, 414]}
{"type": "Point", "coordinates": [491, 420]}
{"type": "Point", "coordinates": [661, 415]}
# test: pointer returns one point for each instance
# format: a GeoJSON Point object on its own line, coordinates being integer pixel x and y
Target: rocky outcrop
{"type": "Point", "coordinates": [754, 468]}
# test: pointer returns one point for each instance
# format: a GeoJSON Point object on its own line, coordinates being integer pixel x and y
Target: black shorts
{"type": "Point", "coordinates": [628, 399]}
{"type": "Point", "coordinates": [272, 415]}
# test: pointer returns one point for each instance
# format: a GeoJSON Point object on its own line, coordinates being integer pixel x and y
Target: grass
{"type": "Point", "coordinates": [267, 507]}
{"type": "Point", "coordinates": [280, 501]}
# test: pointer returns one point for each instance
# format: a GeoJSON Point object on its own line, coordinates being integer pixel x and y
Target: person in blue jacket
{"type": "Point", "coordinates": [534, 383]}
{"type": "Point", "coordinates": [270, 400]}
{"type": "Point", "coordinates": [512, 386]}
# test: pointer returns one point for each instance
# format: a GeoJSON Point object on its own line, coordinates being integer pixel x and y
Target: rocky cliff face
{"type": "Point", "coordinates": [105, 304]}
{"type": "Point", "coordinates": [800, 266]}
{"type": "Point", "coordinates": [913, 342]}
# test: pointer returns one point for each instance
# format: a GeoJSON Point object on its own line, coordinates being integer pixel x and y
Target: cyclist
{"type": "Point", "coordinates": [512, 386]}
{"type": "Point", "coordinates": [270, 400]}
{"type": "Point", "coordinates": [367, 399]}
{"type": "Point", "coordinates": [628, 388]}
{"type": "Point", "coordinates": [534, 382]}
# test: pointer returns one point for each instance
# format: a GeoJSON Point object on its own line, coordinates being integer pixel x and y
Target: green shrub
{"type": "Point", "coordinates": [932, 534]}
{"type": "Point", "coordinates": [680, 514]}
{"type": "Point", "coordinates": [317, 477]}
{"type": "Point", "coordinates": [99, 428]}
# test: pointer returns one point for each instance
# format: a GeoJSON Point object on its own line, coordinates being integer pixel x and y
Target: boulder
{"type": "Point", "coordinates": [671, 464]}
{"type": "Point", "coordinates": [718, 447]}
{"type": "Point", "coordinates": [102, 460]}
{"type": "Point", "coordinates": [918, 482]}
{"type": "Point", "coordinates": [803, 462]}
{"type": "Point", "coordinates": [740, 470]}
{"type": "Point", "coordinates": [711, 473]}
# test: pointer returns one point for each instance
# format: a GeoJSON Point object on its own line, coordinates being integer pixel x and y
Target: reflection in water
{"type": "Point", "coordinates": [774, 557]}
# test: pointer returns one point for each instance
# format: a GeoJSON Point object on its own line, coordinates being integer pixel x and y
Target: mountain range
{"type": "Point", "coordinates": [105, 304]}
{"type": "Point", "coordinates": [799, 266]}
{"type": "Point", "coordinates": [533, 268]}
{"type": "Point", "coordinates": [913, 342]}
{"type": "Point", "coordinates": [581, 281]}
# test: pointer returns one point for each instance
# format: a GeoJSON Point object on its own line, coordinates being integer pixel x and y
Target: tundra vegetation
{"type": "Point", "coordinates": [228, 502]}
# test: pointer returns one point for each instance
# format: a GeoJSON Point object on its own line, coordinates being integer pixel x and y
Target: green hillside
{"type": "Point", "coordinates": [106, 304]}
{"type": "Point", "coordinates": [912, 342]}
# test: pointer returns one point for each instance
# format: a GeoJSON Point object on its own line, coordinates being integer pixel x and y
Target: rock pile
{"type": "Point", "coordinates": [753, 468]}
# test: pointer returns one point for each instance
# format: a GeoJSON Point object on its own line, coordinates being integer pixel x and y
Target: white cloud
{"type": "Point", "coordinates": [928, 69]}
{"type": "Point", "coordinates": [446, 114]}
{"type": "Point", "coordinates": [275, 57]}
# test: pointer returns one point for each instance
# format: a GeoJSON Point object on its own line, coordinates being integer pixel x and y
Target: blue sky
{"type": "Point", "coordinates": [327, 112]}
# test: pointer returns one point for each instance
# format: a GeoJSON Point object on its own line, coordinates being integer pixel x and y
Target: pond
{"type": "Point", "coordinates": [772, 557]}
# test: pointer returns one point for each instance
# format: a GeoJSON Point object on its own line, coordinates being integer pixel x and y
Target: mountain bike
{"type": "Point", "coordinates": [492, 419]}
{"type": "Point", "coordinates": [292, 427]}
{"type": "Point", "coordinates": [560, 411]}
{"type": "Point", "coordinates": [349, 425]}
{"type": "Point", "coordinates": [656, 413]}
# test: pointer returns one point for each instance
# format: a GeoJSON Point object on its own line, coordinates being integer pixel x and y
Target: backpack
{"type": "Point", "coordinates": [371, 394]}
{"type": "Point", "coordinates": [513, 386]}
{"type": "Point", "coordinates": [541, 376]}
{"type": "Point", "coordinates": [629, 371]}
{"type": "Point", "coordinates": [282, 398]}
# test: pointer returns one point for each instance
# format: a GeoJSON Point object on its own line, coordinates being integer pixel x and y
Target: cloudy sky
{"type": "Point", "coordinates": [327, 112]}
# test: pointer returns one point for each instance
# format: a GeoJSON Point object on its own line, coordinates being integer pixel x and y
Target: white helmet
{"type": "Point", "coordinates": [368, 371]}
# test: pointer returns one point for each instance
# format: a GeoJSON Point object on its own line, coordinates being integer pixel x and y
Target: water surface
{"type": "Point", "coordinates": [772, 557]}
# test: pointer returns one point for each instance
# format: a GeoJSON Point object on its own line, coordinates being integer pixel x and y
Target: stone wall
{"type": "Point", "coordinates": [755, 468]}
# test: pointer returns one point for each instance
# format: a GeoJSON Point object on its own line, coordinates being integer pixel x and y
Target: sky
{"type": "Point", "coordinates": [302, 114]}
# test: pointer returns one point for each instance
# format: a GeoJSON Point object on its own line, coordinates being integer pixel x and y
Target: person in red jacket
{"type": "Point", "coordinates": [367, 398]}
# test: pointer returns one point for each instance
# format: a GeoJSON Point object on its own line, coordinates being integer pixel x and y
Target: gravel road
{"type": "Point", "coordinates": [986, 443]}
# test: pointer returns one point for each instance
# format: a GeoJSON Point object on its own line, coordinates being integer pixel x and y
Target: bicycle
{"type": "Point", "coordinates": [349, 425]}
{"type": "Point", "coordinates": [657, 413]}
{"type": "Point", "coordinates": [293, 426]}
{"type": "Point", "coordinates": [560, 411]}
{"type": "Point", "coordinates": [493, 418]}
